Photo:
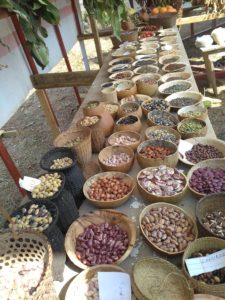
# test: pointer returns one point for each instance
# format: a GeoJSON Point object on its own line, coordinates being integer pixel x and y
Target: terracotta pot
{"type": "Point", "coordinates": [107, 123]}
{"type": "Point", "coordinates": [93, 111]}
{"type": "Point", "coordinates": [127, 25]}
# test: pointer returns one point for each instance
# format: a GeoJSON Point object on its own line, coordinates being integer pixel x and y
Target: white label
{"type": "Point", "coordinates": [114, 286]}
{"type": "Point", "coordinates": [29, 183]}
{"type": "Point", "coordinates": [183, 148]}
{"type": "Point", "coordinates": [209, 263]}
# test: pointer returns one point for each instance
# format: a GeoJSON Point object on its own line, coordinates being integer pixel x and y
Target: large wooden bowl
{"type": "Point", "coordinates": [211, 163]}
{"type": "Point", "coordinates": [136, 126]}
{"type": "Point", "coordinates": [170, 160]}
{"type": "Point", "coordinates": [126, 75]}
{"type": "Point", "coordinates": [113, 203]}
{"type": "Point", "coordinates": [195, 108]}
{"type": "Point", "coordinates": [98, 217]}
{"type": "Point", "coordinates": [218, 144]}
{"type": "Point", "coordinates": [162, 113]}
{"type": "Point", "coordinates": [77, 287]}
{"type": "Point", "coordinates": [185, 135]}
{"type": "Point", "coordinates": [164, 86]}
{"type": "Point", "coordinates": [163, 128]}
{"type": "Point", "coordinates": [112, 139]}
{"type": "Point", "coordinates": [116, 150]}
{"type": "Point", "coordinates": [175, 76]}
{"type": "Point", "coordinates": [154, 198]}
{"type": "Point", "coordinates": [157, 205]}
{"type": "Point", "coordinates": [197, 97]}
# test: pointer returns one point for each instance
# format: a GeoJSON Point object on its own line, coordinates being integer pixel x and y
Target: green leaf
{"type": "Point", "coordinates": [40, 54]}
{"type": "Point", "coordinates": [36, 6]}
{"type": "Point", "coordinates": [6, 4]}
{"type": "Point", "coordinates": [43, 31]}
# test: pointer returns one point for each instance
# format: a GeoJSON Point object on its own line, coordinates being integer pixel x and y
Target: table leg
{"type": "Point", "coordinates": [210, 72]}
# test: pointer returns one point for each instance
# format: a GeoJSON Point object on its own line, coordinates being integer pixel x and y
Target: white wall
{"type": "Point", "coordinates": [14, 80]}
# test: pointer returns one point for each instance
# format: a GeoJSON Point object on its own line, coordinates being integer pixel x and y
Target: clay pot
{"type": "Point", "coordinates": [127, 25]}
{"type": "Point", "coordinates": [106, 123]}
{"type": "Point", "coordinates": [93, 111]}
{"type": "Point", "coordinates": [144, 16]}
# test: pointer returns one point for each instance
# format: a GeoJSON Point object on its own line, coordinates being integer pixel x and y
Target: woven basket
{"type": "Point", "coordinates": [195, 96]}
{"type": "Point", "coordinates": [158, 279]}
{"type": "Point", "coordinates": [195, 108]}
{"type": "Point", "coordinates": [28, 246]}
{"type": "Point", "coordinates": [136, 126]}
{"type": "Point", "coordinates": [93, 111]}
{"type": "Point", "coordinates": [164, 128]}
{"type": "Point", "coordinates": [204, 244]}
{"type": "Point", "coordinates": [201, 132]}
{"type": "Point", "coordinates": [135, 107]}
{"type": "Point", "coordinates": [83, 149]}
{"type": "Point", "coordinates": [162, 113]}
{"type": "Point", "coordinates": [132, 134]}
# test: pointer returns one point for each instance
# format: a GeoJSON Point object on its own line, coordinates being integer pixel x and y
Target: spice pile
{"type": "Point", "coordinates": [191, 126]}
{"type": "Point", "coordinates": [173, 67]}
{"type": "Point", "coordinates": [92, 104]}
{"type": "Point", "coordinates": [88, 121]}
{"type": "Point", "coordinates": [162, 181]}
{"type": "Point", "coordinates": [200, 152]}
{"type": "Point", "coordinates": [74, 142]}
{"type": "Point", "coordinates": [160, 118]}
{"type": "Point", "coordinates": [128, 120]}
{"type": "Point", "coordinates": [101, 244]}
{"type": "Point", "coordinates": [60, 163]}
{"type": "Point", "coordinates": [108, 188]}
{"type": "Point", "coordinates": [168, 228]}
{"type": "Point", "coordinates": [110, 108]}
{"type": "Point", "coordinates": [192, 114]}
{"type": "Point", "coordinates": [156, 152]}
{"type": "Point", "coordinates": [182, 101]}
{"type": "Point", "coordinates": [124, 140]}
{"type": "Point", "coordinates": [117, 159]}
{"type": "Point", "coordinates": [161, 134]}
{"type": "Point", "coordinates": [156, 104]}
{"type": "Point", "coordinates": [215, 222]}
{"type": "Point", "coordinates": [49, 186]}
{"type": "Point", "coordinates": [179, 87]}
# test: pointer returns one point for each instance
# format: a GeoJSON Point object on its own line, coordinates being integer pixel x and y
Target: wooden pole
{"type": "Point", "coordinates": [97, 40]}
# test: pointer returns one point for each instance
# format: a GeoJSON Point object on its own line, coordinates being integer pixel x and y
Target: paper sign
{"type": "Point", "coordinates": [209, 263]}
{"type": "Point", "coordinates": [184, 147]}
{"type": "Point", "coordinates": [114, 286]}
{"type": "Point", "coordinates": [29, 183]}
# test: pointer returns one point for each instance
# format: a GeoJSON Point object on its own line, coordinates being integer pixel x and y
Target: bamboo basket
{"type": "Point", "coordinates": [146, 111]}
{"type": "Point", "coordinates": [209, 204]}
{"type": "Point", "coordinates": [170, 160]}
{"type": "Point", "coordinates": [204, 244]}
{"type": "Point", "coordinates": [116, 150]}
{"type": "Point", "coordinates": [197, 97]}
{"type": "Point", "coordinates": [136, 126]}
{"type": "Point", "coordinates": [139, 98]}
{"type": "Point", "coordinates": [134, 106]}
{"type": "Point", "coordinates": [98, 217]}
{"type": "Point", "coordinates": [113, 203]}
{"type": "Point", "coordinates": [154, 198]}
{"type": "Point", "coordinates": [164, 86]}
{"type": "Point", "coordinates": [162, 113]}
{"type": "Point", "coordinates": [201, 132]}
{"type": "Point", "coordinates": [155, 278]}
{"type": "Point", "coordinates": [125, 88]}
{"type": "Point", "coordinates": [195, 108]}
{"type": "Point", "coordinates": [83, 149]}
{"type": "Point", "coordinates": [112, 139]}
{"type": "Point", "coordinates": [164, 128]}
{"type": "Point", "coordinates": [158, 205]}
{"type": "Point", "coordinates": [93, 111]}
{"type": "Point", "coordinates": [113, 114]}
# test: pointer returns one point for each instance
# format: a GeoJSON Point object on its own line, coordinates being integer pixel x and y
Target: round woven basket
{"type": "Point", "coordinates": [201, 132]}
{"type": "Point", "coordinates": [83, 148]}
{"type": "Point", "coordinates": [156, 278]}
{"type": "Point", "coordinates": [204, 244]}
{"type": "Point", "coordinates": [129, 108]}
{"type": "Point", "coordinates": [136, 126]}
{"type": "Point", "coordinates": [209, 204]}
{"type": "Point", "coordinates": [162, 114]}
{"type": "Point", "coordinates": [26, 247]}
{"type": "Point", "coordinates": [195, 96]}
{"type": "Point", "coordinates": [193, 108]}
{"type": "Point", "coordinates": [90, 111]}
{"type": "Point", "coordinates": [112, 140]}
{"type": "Point", "coordinates": [164, 128]}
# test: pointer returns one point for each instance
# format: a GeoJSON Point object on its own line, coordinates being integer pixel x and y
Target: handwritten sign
{"type": "Point", "coordinates": [209, 263]}
{"type": "Point", "coordinates": [114, 285]}
{"type": "Point", "coordinates": [29, 183]}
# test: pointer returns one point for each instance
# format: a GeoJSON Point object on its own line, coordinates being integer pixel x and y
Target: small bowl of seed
{"type": "Point", "coordinates": [168, 59]}
{"type": "Point", "coordinates": [139, 98]}
{"type": "Point", "coordinates": [143, 62]}
{"type": "Point", "coordinates": [184, 99]}
{"type": "Point", "coordinates": [193, 111]}
{"type": "Point", "coordinates": [144, 57]}
{"type": "Point", "coordinates": [175, 86]}
{"type": "Point", "coordinates": [111, 108]}
{"type": "Point", "coordinates": [93, 108]}
{"type": "Point", "coordinates": [192, 127]}
{"type": "Point", "coordinates": [174, 67]}
{"type": "Point", "coordinates": [121, 60]}
{"type": "Point", "coordinates": [162, 118]}
{"type": "Point", "coordinates": [151, 45]}
{"type": "Point", "coordinates": [154, 104]}
{"type": "Point", "coordinates": [175, 76]}
{"type": "Point", "coordinates": [130, 108]}
{"type": "Point", "coordinates": [146, 51]}
{"type": "Point", "coordinates": [128, 123]}
{"type": "Point", "coordinates": [146, 69]}
{"type": "Point", "coordinates": [121, 75]}
{"type": "Point", "coordinates": [162, 133]}
{"type": "Point", "coordinates": [125, 138]}
{"type": "Point", "coordinates": [119, 68]}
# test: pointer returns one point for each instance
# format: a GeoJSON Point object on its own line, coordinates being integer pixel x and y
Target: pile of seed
{"type": "Point", "coordinates": [200, 152]}
{"type": "Point", "coordinates": [117, 159]}
{"type": "Point", "coordinates": [156, 104]}
{"type": "Point", "coordinates": [110, 108]}
{"type": "Point", "coordinates": [60, 163]}
{"type": "Point", "coordinates": [169, 60]}
{"type": "Point", "coordinates": [156, 152]}
{"type": "Point", "coordinates": [125, 61]}
{"type": "Point", "coordinates": [144, 62]}
{"type": "Point", "coordinates": [35, 217]}
{"type": "Point", "coordinates": [215, 277]}
{"type": "Point", "coordinates": [147, 81]}
{"type": "Point", "coordinates": [162, 181]}
{"type": "Point", "coordinates": [74, 142]}
{"type": "Point", "coordinates": [50, 184]}
{"type": "Point", "coordinates": [128, 120]}
{"type": "Point", "coordinates": [176, 88]}
{"type": "Point", "coordinates": [130, 109]}
{"type": "Point", "coordinates": [192, 114]}
{"type": "Point", "coordinates": [92, 292]}
{"type": "Point", "coordinates": [92, 104]}
{"type": "Point", "coordinates": [124, 140]}
{"type": "Point", "coordinates": [159, 118]}
{"type": "Point", "coordinates": [174, 67]}
{"type": "Point", "coordinates": [133, 98]}
{"type": "Point", "coordinates": [161, 134]}
{"type": "Point", "coordinates": [182, 101]}
{"type": "Point", "coordinates": [215, 222]}
{"type": "Point", "coordinates": [192, 126]}
{"type": "Point", "coordinates": [88, 121]}
{"type": "Point", "coordinates": [147, 69]}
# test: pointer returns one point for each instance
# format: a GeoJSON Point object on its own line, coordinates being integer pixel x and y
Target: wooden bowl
{"type": "Point", "coordinates": [170, 52]}
{"type": "Point", "coordinates": [154, 198]}
{"type": "Point", "coordinates": [146, 111]}
{"type": "Point", "coordinates": [166, 59]}
{"type": "Point", "coordinates": [107, 85]}
{"type": "Point", "coordinates": [77, 288]}
{"type": "Point", "coordinates": [90, 111]}
{"type": "Point", "coordinates": [116, 150]}
{"type": "Point", "coordinates": [146, 69]}
{"type": "Point", "coordinates": [204, 244]}
{"type": "Point", "coordinates": [201, 132]}
{"type": "Point", "coordinates": [112, 139]}
{"type": "Point", "coordinates": [97, 217]}
{"type": "Point", "coordinates": [148, 88]}
{"type": "Point", "coordinates": [112, 113]}
{"type": "Point", "coordinates": [163, 128]}
{"type": "Point", "coordinates": [186, 84]}
{"type": "Point", "coordinates": [139, 98]}
{"type": "Point", "coordinates": [175, 76]}
{"type": "Point", "coordinates": [151, 45]}
{"type": "Point", "coordinates": [170, 160]}
{"type": "Point", "coordinates": [130, 108]}
{"type": "Point", "coordinates": [218, 144]}
{"type": "Point", "coordinates": [124, 53]}
{"type": "Point", "coordinates": [209, 204]}
{"type": "Point", "coordinates": [136, 127]}
{"type": "Point", "coordinates": [119, 68]}
{"type": "Point", "coordinates": [195, 108]}
{"type": "Point", "coordinates": [158, 205]}
{"type": "Point", "coordinates": [153, 76]}
{"type": "Point", "coordinates": [125, 75]}
{"type": "Point", "coordinates": [168, 40]}
{"type": "Point", "coordinates": [146, 51]}
{"type": "Point", "coordinates": [144, 61]}
{"type": "Point", "coordinates": [211, 163]}
{"type": "Point", "coordinates": [144, 57]}
{"type": "Point", "coordinates": [163, 114]}
{"type": "Point", "coordinates": [125, 88]}
{"type": "Point", "coordinates": [121, 60]}
{"type": "Point", "coordinates": [129, 35]}
{"type": "Point", "coordinates": [168, 47]}
{"type": "Point", "coordinates": [195, 96]}
{"type": "Point", "coordinates": [174, 67]}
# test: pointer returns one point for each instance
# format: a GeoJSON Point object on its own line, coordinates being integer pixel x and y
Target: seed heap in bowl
{"type": "Point", "coordinates": [160, 134]}
{"type": "Point", "coordinates": [108, 188]}
{"type": "Point", "coordinates": [128, 120]}
{"type": "Point", "coordinates": [60, 163]}
{"type": "Point", "coordinates": [133, 98]}
{"type": "Point", "coordinates": [215, 277]}
{"type": "Point", "coordinates": [156, 152]}
{"type": "Point", "coordinates": [101, 244]}
{"type": "Point", "coordinates": [158, 104]}
{"type": "Point", "coordinates": [159, 118]}
{"type": "Point", "coordinates": [182, 101]}
{"type": "Point", "coordinates": [124, 140]}
{"type": "Point", "coordinates": [180, 87]}
{"type": "Point", "coordinates": [208, 180]}
{"type": "Point", "coordinates": [36, 217]}
{"type": "Point", "coordinates": [49, 186]}
{"type": "Point", "coordinates": [215, 222]}
{"type": "Point", "coordinates": [92, 104]}
{"type": "Point", "coordinates": [147, 81]}
{"type": "Point", "coordinates": [173, 67]}
{"type": "Point", "coordinates": [117, 159]}
{"type": "Point", "coordinates": [192, 126]}
{"type": "Point", "coordinates": [74, 142]}
{"type": "Point", "coordinates": [110, 108]}
{"type": "Point", "coordinates": [88, 121]}
{"type": "Point", "coordinates": [168, 228]}
{"type": "Point", "coordinates": [162, 181]}
{"type": "Point", "coordinates": [200, 152]}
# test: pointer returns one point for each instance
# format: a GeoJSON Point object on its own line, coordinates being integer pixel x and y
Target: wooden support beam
{"type": "Point", "coordinates": [88, 36]}
{"type": "Point", "coordinates": [97, 40]}
{"type": "Point", "coordinates": [65, 79]}
{"type": "Point", "coordinates": [200, 18]}
{"type": "Point", "coordinates": [210, 72]}
{"type": "Point", "coordinates": [48, 113]}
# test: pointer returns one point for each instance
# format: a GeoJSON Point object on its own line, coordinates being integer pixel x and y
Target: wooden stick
{"type": "Point", "coordinates": [97, 40]}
